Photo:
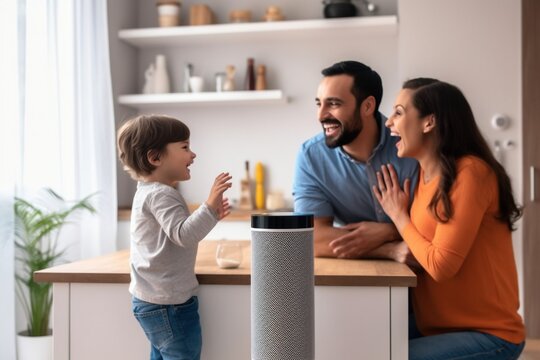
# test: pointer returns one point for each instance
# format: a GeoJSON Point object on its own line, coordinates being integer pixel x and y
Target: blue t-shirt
{"type": "Point", "coordinates": [329, 183]}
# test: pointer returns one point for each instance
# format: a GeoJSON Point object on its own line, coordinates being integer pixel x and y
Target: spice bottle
{"type": "Point", "coordinates": [250, 75]}
{"type": "Point", "coordinates": [229, 81]}
{"type": "Point", "coordinates": [261, 78]}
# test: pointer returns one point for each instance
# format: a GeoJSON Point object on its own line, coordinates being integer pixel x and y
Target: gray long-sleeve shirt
{"type": "Point", "coordinates": [164, 242]}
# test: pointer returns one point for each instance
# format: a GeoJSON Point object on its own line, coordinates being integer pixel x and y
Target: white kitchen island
{"type": "Point", "coordinates": [361, 309]}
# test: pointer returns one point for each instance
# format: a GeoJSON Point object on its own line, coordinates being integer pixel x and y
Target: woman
{"type": "Point", "coordinates": [459, 228]}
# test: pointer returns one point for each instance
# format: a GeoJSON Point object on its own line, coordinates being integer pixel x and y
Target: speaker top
{"type": "Point", "coordinates": [282, 220]}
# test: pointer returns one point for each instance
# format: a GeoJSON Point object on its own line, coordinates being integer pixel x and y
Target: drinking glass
{"type": "Point", "coordinates": [228, 254]}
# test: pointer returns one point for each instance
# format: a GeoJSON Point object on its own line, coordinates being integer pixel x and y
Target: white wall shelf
{"type": "Point", "coordinates": [188, 35]}
{"type": "Point", "coordinates": [143, 101]}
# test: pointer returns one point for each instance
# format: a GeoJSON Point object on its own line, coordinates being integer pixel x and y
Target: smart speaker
{"type": "Point", "coordinates": [282, 286]}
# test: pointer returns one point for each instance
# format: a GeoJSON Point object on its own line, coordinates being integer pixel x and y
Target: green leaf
{"type": "Point", "coordinates": [36, 234]}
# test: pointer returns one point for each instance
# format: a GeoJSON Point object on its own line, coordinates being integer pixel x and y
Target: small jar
{"type": "Point", "coordinates": [240, 16]}
{"type": "Point", "coordinates": [168, 12]}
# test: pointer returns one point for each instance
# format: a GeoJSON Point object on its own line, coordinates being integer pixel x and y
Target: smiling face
{"type": "Point", "coordinates": [405, 122]}
{"type": "Point", "coordinates": [338, 111]}
{"type": "Point", "coordinates": [173, 164]}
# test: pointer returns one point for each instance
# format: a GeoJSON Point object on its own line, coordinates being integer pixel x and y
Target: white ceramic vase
{"type": "Point", "coordinates": [34, 347]}
{"type": "Point", "coordinates": [161, 78]}
{"type": "Point", "coordinates": [149, 79]}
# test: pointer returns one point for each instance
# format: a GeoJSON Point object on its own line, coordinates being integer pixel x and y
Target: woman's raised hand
{"type": "Point", "coordinates": [392, 198]}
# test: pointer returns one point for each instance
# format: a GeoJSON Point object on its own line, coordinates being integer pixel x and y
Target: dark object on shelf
{"type": "Point", "coordinates": [339, 8]}
{"type": "Point", "coordinates": [250, 75]}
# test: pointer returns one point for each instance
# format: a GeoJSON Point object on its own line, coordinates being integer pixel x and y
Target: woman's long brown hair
{"type": "Point", "coordinates": [458, 135]}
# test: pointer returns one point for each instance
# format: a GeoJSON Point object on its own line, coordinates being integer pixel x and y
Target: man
{"type": "Point", "coordinates": [336, 170]}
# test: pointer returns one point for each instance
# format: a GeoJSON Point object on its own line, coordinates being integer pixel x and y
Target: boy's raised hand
{"type": "Point", "coordinates": [215, 200]}
{"type": "Point", "coordinates": [225, 209]}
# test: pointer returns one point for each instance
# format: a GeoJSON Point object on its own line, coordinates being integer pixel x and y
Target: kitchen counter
{"type": "Point", "coordinates": [114, 268]}
{"type": "Point", "coordinates": [361, 308]}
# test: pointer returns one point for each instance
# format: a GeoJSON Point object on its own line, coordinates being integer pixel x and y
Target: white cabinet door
{"type": "Point", "coordinates": [350, 323]}
{"type": "Point", "coordinates": [102, 325]}
{"type": "Point", "coordinates": [225, 321]}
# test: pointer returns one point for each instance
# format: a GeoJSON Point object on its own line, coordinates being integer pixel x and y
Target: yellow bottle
{"type": "Point", "coordinates": [259, 186]}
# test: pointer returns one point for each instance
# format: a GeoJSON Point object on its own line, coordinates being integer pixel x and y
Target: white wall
{"type": "Point", "coordinates": [225, 136]}
{"type": "Point", "coordinates": [475, 45]}
{"type": "Point", "coordinates": [292, 10]}
{"type": "Point", "coordinates": [122, 14]}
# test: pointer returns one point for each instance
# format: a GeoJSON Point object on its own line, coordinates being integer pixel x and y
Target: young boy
{"type": "Point", "coordinates": [155, 150]}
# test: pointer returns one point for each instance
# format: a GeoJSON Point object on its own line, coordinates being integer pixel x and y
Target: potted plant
{"type": "Point", "coordinates": [36, 240]}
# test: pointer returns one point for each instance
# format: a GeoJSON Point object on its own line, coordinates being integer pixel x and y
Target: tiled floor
{"type": "Point", "coordinates": [532, 350]}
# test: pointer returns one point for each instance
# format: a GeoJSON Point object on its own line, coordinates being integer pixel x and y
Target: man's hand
{"type": "Point", "coordinates": [361, 238]}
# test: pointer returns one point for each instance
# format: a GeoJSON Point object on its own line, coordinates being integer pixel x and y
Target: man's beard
{"type": "Point", "coordinates": [348, 133]}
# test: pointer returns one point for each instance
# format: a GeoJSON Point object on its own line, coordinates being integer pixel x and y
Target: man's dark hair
{"type": "Point", "coordinates": [366, 81]}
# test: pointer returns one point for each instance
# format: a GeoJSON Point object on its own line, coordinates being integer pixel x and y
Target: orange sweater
{"type": "Point", "coordinates": [470, 278]}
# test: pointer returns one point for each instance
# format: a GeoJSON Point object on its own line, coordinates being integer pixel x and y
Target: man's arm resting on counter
{"type": "Point", "coordinates": [356, 240]}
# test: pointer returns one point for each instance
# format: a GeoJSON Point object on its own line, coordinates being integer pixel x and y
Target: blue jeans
{"type": "Point", "coordinates": [462, 345]}
{"type": "Point", "coordinates": [174, 331]}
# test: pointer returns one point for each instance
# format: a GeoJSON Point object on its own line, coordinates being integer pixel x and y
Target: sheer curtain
{"type": "Point", "coordinates": [9, 91]}
{"type": "Point", "coordinates": [95, 147]}
{"type": "Point", "coordinates": [56, 129]}
{"type": "Point", "coordinates": [68, 124]}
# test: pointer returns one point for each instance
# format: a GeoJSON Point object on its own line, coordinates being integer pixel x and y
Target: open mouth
{"type": "Point", "coordinates": [331, 128]}
{"type": "Point", "coordinates": [398, 142]}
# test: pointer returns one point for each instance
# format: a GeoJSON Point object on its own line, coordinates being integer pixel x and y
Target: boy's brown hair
{"type": "Point", "coordinates": [147, 136]}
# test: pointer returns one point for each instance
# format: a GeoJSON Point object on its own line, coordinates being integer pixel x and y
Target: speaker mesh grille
{"type": "Point", "coordinates": [282, 306]}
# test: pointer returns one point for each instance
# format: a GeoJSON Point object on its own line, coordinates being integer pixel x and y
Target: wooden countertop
{"type": "Point", "coordinates": [114, 268]}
